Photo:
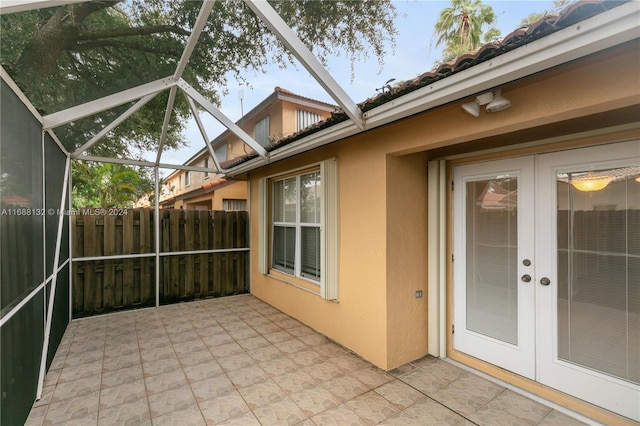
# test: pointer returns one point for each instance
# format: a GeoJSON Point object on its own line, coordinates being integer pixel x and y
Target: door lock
{"type": "Point", "coordinates": [545, 281]}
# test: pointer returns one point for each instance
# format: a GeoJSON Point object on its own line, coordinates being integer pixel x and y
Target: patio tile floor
{"type": "Point", "coordinates": [239, 361]}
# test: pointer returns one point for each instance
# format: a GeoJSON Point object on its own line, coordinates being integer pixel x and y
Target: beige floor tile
{"type": "Point", "coordinates": [372, 407]}
{"type": "Point", "coordinates": [371, 376]}
{"type": "Point", "coordinates": [315, 400]}
{"type": "Point", "coordinates": [556, 418]}
{"type": "Point", "coordinates": [121, 394]}
{"type": "Point", "coordinates": [458, 400]}
{"type": "Point", "coordinates": [75, 389]}
{"type": "Point", "coordinates": [340, 415]}
{"type": "Point", "coordinates": [488, 416]}
{"type": "Point", "coordinates": [123, 375]}
{"type": "Point", "coordinates": [254, 342]}
{"type": "Point", "coordinates": [36, 416]}
{"type": "Point", "coordinates": [291, 346]}
{"type": "Point", "coordinates": [225, 350]}
{"type": "Point", "coordinates": [248, 376]}
{"type": "Point", "coordinates": [400, 394]}
{"type": "Point", "coordinates": [61, 411]}
{"type": "Point", "coordinates": [171, 400]}
{"type": "Point", "coordinates": [235, 362]}
{"type": "Point", "coordinates": [202, 371]}
{"type": "Point", "coordinates": [122, 361]}
{"type": "Point", "coordinates": [223, 408]}
{"type": "Point", "coordinates": [429, 412]}
{"type": "Point", "coordinates": [131, 413]}
{"type": "Point", "coordinates": [89, 370]}
{"type": "Point", "coordinates": [424, 382]}
{"type": "Point", "coordinates": [524, 409]}
{"type": "Point", "coordinates": [164, 382]}
{"type": "Point", "coordinates": [279, 367]}
{"type": "Point", "coordinates": [345, 387]}
{"type": "Point", "coordinates": [265, 354]}
{"type": "Point", "coordinates": [188, 416]}
{"type": "Point", "coordinates": [306, 358]}
{"type": "Point", "coordinates": [212, 387]}
{"type": "Point", "coordinates": [246, 419]}
{"type": "Point", "coordinates": [283, 411]}
{"type": "Point", "coordinates": [214, 361]}
{"type": "Point", "coordinates": [188, 359]}
{"type": "Point", "coordinates": [160, 366]}
{"type": "Point", "coordinates": [261, 394]}
{"type": "Point", "coordinates": [482, 389]}
{"type": "Point", "coordinates": [295, 382]}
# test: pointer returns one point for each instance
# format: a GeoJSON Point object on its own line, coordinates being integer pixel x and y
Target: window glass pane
{"type": "Point", "coordinates": [310, 198]}
{"type": "Point", "coordinates": [261, 132]}
{"type": "Point", "coordinates": [284, 248]}
{"type": "Point", "coordinates": [278, 201]}
{"type": "Point", "coordinates": [284, 200]}
{"type": "Point", "coordinates": [310, 259]}
{"type": "Point", "coordinates": [599, 270]}
{"type": "Point", "coordinates": [492, 248]}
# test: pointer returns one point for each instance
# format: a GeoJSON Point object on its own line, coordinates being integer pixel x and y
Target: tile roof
{"type": "Point", "coordinates": [543, 27]}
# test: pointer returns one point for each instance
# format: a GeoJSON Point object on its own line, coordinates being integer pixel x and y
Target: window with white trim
{"type": "Point", "coordinates": [298, 226]}
{"type": "Point", "coordinates": [261, 131]}
{"type": "Point", "coordinates": [187, 178]}
{"type": "Point", "coordinates": [305, 119]}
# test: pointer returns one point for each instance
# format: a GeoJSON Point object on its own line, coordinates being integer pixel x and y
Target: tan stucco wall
{"type": "Point", "coordinates": [382, 204]}
{"type": "Point", "coordinates": [406, 258]}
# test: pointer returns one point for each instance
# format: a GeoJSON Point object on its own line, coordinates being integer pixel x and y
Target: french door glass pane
{"type": "Point", "coordinates": [491, 258]}
{"type": "Point", "coordinates": [599, 270]}
{"type": "Point", "coordinates": [284, 248]}
{"type": "Point", "coordinates": [310, 252]}
{"type": "Point", "coordinates": [310, 197]}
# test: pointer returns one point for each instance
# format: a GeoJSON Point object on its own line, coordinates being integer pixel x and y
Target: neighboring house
{"type": "Point", "coordinates": [281, 114]}
{"type": "Point", "coordinates": [443, 228]}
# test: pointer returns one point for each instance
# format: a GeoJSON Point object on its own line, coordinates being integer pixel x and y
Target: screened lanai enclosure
{"type": "Point", "coordinates": [112, 82]}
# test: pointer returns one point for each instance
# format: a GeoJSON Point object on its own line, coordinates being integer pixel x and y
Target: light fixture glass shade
{"type": "Point", "coordinates": [591, 184]}
{"type": "Point", "coordinates": [499, 103]}
{"type": "Point", "coordinates": [638, 179]}
{"type": "Point", "coordinates": [472, 108]}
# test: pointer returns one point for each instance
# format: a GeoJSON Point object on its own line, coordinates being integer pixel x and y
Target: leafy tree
{"type": "Point", "coordinates": [67, 55]}
{"type": "Point", "coordinates": [461, 27]}
{"type": "Point", "coordinates": [108, 184]}
{"type": "Point", "coordinates": [558, 5]}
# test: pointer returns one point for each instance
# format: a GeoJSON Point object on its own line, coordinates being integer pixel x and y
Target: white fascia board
{"type": "Point", "coordinates": [606, 30]}
{"type": "Point", "coordinates": [13, 6]}
{"type": "Point", "coordinates": [285, 34]}
{"type": "Point", "coordinates": [115, 123]}
{"type": "Point", "coordinates": [12, 84]}
{"type": "Point", "coordinates": [93, 107]}
{"type": "Point", "coordinates": [330, 134]}
{"type": "Point", "coordinates": [223, 119]}
{"type": "Point", "coordinates": [201, 21]}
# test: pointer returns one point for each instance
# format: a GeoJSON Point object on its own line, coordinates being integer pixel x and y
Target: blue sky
{"type": "Point", "coordinates": [414, 54]}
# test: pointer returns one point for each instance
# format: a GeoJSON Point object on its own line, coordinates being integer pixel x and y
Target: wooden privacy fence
{"type": "Point", "coordinates": [101, 285]}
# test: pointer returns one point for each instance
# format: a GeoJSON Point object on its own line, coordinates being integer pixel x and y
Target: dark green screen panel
{"type": "Point", "coordinates": [20, 350]}
{"type": "Point", "coordinates": [21, 201]}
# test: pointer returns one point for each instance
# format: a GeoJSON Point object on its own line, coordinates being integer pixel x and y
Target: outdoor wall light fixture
{"type": "Point", "coordinates": [494, 102]}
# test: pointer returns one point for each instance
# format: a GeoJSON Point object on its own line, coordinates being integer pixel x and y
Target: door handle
{"type": "Point", "coordinates": [545, 281]}
{"type": "Point", "coordinates": [526, 278]}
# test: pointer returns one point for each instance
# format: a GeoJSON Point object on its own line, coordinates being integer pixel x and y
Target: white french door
{"type": "Point", "coordinates": [547, 270]}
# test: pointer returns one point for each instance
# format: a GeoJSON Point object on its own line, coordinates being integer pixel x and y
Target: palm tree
{"type": "Point", "coordinates": [461, 27]}
{"type": "Point", "coordinates": [107, 185]}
